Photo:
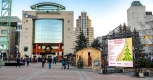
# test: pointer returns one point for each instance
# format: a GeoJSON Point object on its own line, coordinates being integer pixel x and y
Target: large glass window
{"type": "Point", "coordinates": [48, 31]}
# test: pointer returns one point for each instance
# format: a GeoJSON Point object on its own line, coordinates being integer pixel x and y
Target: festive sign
{"type": "Point", "coordinates": [120, 52]}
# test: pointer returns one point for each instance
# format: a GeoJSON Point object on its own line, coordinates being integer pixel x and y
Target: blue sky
{"type": "Point", "coordinates": [105, 14]}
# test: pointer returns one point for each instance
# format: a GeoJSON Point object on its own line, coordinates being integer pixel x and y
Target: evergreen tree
{"type": "Point", "coordinates": [120, 30]}
{"type": "Point", "coordinates": [113, 32]}
{"type": "Point", "coordinates": [96, 44]}
{"type": "Point", "coordinates": [81, 42]}
{"type": "Point", "coordinates": [127, 54]}
{"type": "Point", "coordinates": [124, 27]}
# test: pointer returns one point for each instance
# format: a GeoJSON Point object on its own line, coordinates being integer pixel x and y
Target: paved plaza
{"type": "Point", "coordinates": [36, 72]}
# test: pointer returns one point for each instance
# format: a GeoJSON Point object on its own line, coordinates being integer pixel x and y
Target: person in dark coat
{"type": "Point", "coordinates": [54, 62]}
{"type": "Point", "coordinates": [49, 61]}
{"type": "Point", "coordinates": [68, 62]}
{"type": "Point", "coordinates": [43, 62]}
{"type": "Point", "coordinates": [18, 61]}
{"type": "Point", "coordinates": [28, 59]}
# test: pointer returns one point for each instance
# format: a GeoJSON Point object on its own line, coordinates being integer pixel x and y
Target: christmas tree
{"type": "Point", "coordinates": [127, 54]}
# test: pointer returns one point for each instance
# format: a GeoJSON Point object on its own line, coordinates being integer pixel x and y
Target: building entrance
{"type": "Point", "coordinates": [47, 49]}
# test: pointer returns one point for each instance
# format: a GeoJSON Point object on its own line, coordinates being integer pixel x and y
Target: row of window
{"type": "Point", "coordinates": [43, 33]}
{"type": "Point", "coordinates": [48, 37]}
{"type": "Point", "coordinates": [48, 41]}
{"type": "Point", "coordinates": [148, 44]}
{"type": "Point", "coordinates": [48, 29]}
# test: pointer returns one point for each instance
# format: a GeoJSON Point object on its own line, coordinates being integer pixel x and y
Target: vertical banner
{"type": "Point", "coordinates": [36, 49]}
{"type": "Point", "coordinates": [120, 52]}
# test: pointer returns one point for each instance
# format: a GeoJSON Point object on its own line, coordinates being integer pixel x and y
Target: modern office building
{"type": "Point", "coordinates": [141, 20]}
{"type": "Point", "coordinates": [47, 30]}
{"type": "Point", "coordinates": [83, 23]}
{"type": "Point", "coordinates": [9, 41]}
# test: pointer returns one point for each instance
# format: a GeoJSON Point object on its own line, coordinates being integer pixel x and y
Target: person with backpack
{"type": "Point", "coordinates": [28, 61]}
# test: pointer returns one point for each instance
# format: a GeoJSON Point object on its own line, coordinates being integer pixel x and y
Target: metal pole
{"type": "Point", "coordinates": [20, 42]}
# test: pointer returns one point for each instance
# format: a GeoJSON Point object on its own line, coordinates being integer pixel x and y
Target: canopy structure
{"type": "Point", "coordinates": [47, 7]}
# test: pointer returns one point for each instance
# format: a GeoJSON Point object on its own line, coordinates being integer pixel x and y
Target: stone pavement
{"type": "Point", "coordinates": [36, 72]}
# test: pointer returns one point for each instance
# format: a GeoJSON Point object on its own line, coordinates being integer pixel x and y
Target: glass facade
{"type": "Point", "coordinates": [48, 31]}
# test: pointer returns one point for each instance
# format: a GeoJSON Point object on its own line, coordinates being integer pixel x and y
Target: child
{"type": "Point", "coordinates": [63, 64]}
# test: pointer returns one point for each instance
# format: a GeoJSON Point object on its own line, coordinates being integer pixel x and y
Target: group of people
{"type": "Point", "coordinates": [18, 60]}
{"type": "Point", "coordinates": [65, 61]}
{"type": "Point", "coordinates": [49, 60]}
{"type": "Point", "coordinates": [27, 59]}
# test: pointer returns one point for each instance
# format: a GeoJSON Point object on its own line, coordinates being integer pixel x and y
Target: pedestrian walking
{"type": "Point", "coordinates": [18, 61]}
{"type": "Point", "coordinates": [63, 64]}
{"type": "Point", "coordinates": [28, 59]}
{"type": "Point", "coordinates": [54, 60]}
{"type": "Point", "coordinates": [68, 62]}
{"type": "Point", "coordinates": [43, 62]}
{"type": "Point", "coordinates": [49, 61]}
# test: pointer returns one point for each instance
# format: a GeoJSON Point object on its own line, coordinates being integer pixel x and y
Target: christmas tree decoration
{"type": "Point", "coordinates": [127, 55]}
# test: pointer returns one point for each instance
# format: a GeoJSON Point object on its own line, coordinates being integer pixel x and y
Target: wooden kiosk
{"type": "Point", "coordinates": [88, 55]}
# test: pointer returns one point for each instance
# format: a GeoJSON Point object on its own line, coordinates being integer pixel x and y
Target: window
{"type": "Point", "coordinates": [25, 49]}
{"type": "Point", "coordinates": [26, 20]}
{"type": "Point", "coordinates": [3, 38]}
{"type": "Point", "coordinates": [26, 28]}
{"type": "Point", "coordinates": [52, 27]}
{"type": "Point", "coordinates": [3, 31]}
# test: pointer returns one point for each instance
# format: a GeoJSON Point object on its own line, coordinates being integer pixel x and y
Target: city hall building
{"type": "Point", "coordinates": [47, 30]}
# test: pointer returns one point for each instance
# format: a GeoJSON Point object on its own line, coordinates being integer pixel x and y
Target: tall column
{"type": "Point", "coordinates": [59, 50]}
{"type": "Point", "coordinates": [36, 48]}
